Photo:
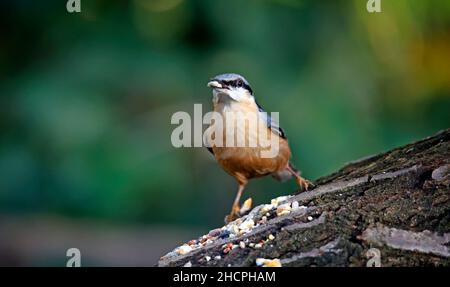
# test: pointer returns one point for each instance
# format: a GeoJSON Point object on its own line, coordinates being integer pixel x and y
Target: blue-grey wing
{"type": "Point", "coordinates": [271, 123]}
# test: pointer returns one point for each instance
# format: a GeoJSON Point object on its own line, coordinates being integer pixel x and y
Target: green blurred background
{"type": "Point", "coordinates": [86, 100]}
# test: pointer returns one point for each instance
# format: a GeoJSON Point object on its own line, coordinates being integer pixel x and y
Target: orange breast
{"type": "Point", "coordinates": [245, 162]}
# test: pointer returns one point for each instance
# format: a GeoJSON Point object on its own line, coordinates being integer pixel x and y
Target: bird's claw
{"type": "Point", "coordinates": [234, 214]}
{"type": "Point", "coordinates": [230, 217]}
{"type": "Point", "coordinates": [310, 184]}
{"type": "Point", "coordinates": [304, 183]}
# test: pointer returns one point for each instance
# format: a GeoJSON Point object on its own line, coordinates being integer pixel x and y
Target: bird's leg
{"type": "Point", "coordinates": [303, 183]}
{"type": "Point", "coordinates": [234, 214]}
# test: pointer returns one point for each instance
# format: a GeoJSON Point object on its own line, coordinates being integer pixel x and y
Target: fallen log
{"type": "Point", "coordinates": [391, 209]}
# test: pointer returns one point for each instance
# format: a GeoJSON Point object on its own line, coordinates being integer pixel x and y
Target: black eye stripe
{"type": "Point", "coordinates": [234, 83]}
{"type": "Point", "coordinates": [249, 89]}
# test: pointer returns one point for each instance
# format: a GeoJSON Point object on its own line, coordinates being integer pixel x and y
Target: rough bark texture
{"type": "Point", "coordinates": [395, 205]}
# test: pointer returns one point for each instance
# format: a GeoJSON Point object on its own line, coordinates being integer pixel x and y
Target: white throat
{"type": "Point", "coordinates": [232, 95]}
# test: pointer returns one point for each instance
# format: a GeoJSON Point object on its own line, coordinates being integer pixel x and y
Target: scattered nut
{"type": "Point", "coordinates": [266, 208]}
{"type": "Point", "coordinates": [247, 225]}
{"type": "Point", "coordinates": [242, 226]}
{"type": "Point", "coordinates": [260, 261]}
{"type": "Point", "coordinates": [184, 249]}
{"type": "Point", "coordinates": [268, 262]}
{"type": "Point", "coordinates": [246, 206]}
{"type": "Point", "coordinates": [273, 263]}
{"type": "Point", "coordinates": [278, 200]}
{"type": "Point", "coordinates": [283, 209]}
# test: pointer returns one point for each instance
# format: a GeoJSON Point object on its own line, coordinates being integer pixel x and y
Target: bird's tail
{"type": "Point", "coordinates": [285, 174]}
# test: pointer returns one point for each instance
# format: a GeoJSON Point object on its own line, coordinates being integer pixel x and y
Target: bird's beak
{"type": "Point", "coordinates": [214, 84]}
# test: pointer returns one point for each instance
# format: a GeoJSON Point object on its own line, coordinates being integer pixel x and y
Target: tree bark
{"type": "Point", "coordinates": [391, 209]}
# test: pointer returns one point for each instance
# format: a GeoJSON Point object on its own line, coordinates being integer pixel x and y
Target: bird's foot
{"type": "Point", "coordinates": [304, 183]}
{"type": "Point", "coordinates": [231, 217]}
{"type": "Point", "coordinates": [234, 214]}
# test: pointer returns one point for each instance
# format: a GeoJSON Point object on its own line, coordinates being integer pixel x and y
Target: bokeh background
{"type": "Point", "coordinates": [86, 100]}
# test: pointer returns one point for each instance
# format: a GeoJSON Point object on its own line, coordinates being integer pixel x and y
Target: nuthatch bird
{"type": "Point", "coordinates": [233, 94]}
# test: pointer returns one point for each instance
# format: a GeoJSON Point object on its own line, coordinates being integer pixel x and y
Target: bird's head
{"type": "Point", "coordinates": [231, 87]}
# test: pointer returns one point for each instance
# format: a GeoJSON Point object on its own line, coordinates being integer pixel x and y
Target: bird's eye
{"type": "Point", "coordinates": [239, 83]}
